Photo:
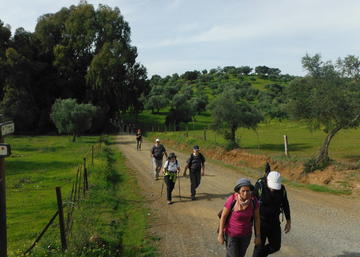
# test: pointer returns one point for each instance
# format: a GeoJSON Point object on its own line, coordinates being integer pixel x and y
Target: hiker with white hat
{"type": "Point", "coordinates": [273, 201]}
{"type": "Point", "coordinates": [157, 153]}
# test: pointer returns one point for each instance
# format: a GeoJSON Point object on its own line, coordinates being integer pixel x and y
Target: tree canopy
{"type": "Point", "coordinates": [78, 52]}
{"type": "Point", "coordinates": [230, 113]}
{"type": "Point", "coordinates": [327, 98]}
{"type": "Point", "coordinates": [72, 118]}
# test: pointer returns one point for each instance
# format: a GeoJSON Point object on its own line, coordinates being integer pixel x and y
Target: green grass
{"type": "Point", "coordinates": [318, 188]}
{"type": "Point", "coordinates": [37, 165]}
{"type": "Point", "coordinates": [268, 140]}
{"type": "Point", "coordinates": [111, 211]}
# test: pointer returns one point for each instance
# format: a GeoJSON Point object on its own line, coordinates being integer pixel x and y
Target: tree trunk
{"type": "Point", "coordinates": [323, 156]}
{"type": "Point", "coordinates": [233, 131]}
{"type": "Point", "coordinates": [74, 137]}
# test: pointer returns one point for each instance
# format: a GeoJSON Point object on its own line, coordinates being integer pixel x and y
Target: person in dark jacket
{"type": "Point", "coordinates": [157, 153]}
{"type": "Point", "coordinates": [196, 165]}
{"type": "Point", "coordinates": [273, 200]}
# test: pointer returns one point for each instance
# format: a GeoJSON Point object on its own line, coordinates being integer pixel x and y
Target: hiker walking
{"type": "Point", "coordinates": [138, 139]}
{"type": "Point", "coordinates": [240, 212]}
{"type": "Point", "coordinates": [170, 170]}
{"type": "Point", "coordinates": [196, 165]}
{"type": "Point", "coordinates": [273, 200]}
{"type": "Point", "coordinates": [157, 153]}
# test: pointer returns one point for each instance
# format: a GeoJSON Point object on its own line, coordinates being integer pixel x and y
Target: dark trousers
{"type": "Point", "coordinates": [138, 144]}
{"type": "Point", "coordinates": [169, 186]}
{"type": "Point", "coordinates": [195, 178]}
{"type": "Point", "coordinates": [271, 232]}
{"type": "Point", "coordinates": [237, 246]}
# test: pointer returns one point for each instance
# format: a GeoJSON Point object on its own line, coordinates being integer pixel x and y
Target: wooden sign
{"type": "Point", "coordinates": [7, 128]}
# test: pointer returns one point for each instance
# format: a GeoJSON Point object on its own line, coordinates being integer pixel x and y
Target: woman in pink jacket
{"type": "Point", "coordinates": [240, 212]}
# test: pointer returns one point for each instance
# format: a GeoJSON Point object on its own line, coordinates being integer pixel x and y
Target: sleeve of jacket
{"type": "Point", "coordinates": [285, 204]}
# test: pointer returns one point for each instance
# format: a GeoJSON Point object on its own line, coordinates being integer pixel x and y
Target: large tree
{"type": "Point", "coordinates": [327, 98]}
{"type": "Point", "coordinates": [230, 113]}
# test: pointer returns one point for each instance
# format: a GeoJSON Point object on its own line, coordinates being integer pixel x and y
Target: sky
{"type": "Point", "coordinates": [174, 36]}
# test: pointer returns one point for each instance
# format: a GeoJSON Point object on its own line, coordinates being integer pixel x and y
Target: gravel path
{"type": "Point", "coordinates": [323, 225]}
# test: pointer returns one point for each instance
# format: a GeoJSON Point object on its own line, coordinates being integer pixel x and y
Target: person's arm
{"type": "Point", "coordinates": [187, 166]}
{"type": "Point", "coordinates": [286, 207]}
{"type": "Point", "coordinates": [166, 155]}
{"type": "Point", "coordinates": [163, 168]}
{"type": "Point", "coordinates": [202, 165]}
{"type": "Point", "coordinates": [257, 227]}
{"type": "Point", "coordinates": [152, 152]}
{"type": "Point", "coordinates": [224, 215]}
{"type": "Point", "coordinates": [178, 168]}
{"type": "Point", "coordinates": [185, 169]}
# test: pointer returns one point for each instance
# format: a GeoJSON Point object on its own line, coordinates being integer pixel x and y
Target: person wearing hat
{"type": "Point", "coordinates": [170, 170]}
{"type": "Point", "coordinates": [273, 201]}
{"type": "Point", "coordinates": [157, 153]}
{"type": "Point", "coordinates": [196, 165]}
{"type": "Point", "coordinates": [240, 211]}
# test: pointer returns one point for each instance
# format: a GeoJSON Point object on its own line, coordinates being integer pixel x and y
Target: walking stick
{"type": "Point", "coordinates": [179, 187]}
{"type": "Point", "coordinates": [162, 188]}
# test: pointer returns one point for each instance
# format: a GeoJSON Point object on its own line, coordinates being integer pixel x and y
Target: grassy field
{"type": "Point", "coordinates": [268, 139]}
{"type": "Point", "coordinates": [38, 164]}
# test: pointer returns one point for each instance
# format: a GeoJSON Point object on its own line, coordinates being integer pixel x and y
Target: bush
{"type": "Point", "coordinates": [311, 165]}
{"type": "Point", "coordinates": [231, 146]}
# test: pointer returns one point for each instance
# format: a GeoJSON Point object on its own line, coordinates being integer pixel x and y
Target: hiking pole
{"type": "Point", "coordinates": [162, 188]}
{"type": "Point", "coordinates": [179, 187]}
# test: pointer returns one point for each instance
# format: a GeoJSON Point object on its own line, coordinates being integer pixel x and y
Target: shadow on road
{"type": "Point", "coordinates": [348, 254]}
{"type": "Point", "coordinates": [203, 196]}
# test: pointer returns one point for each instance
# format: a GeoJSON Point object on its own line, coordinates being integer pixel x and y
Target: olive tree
{"type": "Point", "coordinates": [71, 117]}
{"type": "Point", "coordinates": [231, 113]}
{"type": "Point", "coordinates": [327, 98]}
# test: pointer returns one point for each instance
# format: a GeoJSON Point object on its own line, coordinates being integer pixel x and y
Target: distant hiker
{"type": "Point", "coordinates": [157, 153]}
{"type": "Point", "coordinates": [196, 165]}
{"type": "Point", "coordinates": [138, 139]}
{"type": "Point", "coordinates": [240, 212]}
{"type": "Point", "coordinates": [170, 170]}
{"type": "Point", "coordinates": [273, 200]}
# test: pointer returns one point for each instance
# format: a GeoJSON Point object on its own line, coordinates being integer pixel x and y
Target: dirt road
{"type": "Point", "coordinates": [322, 225]}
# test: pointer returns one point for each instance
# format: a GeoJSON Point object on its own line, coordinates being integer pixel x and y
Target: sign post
{"type": "Point", "coordinates": [6, 128]}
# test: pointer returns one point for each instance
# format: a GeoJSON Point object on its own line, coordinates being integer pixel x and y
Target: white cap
{"type": "Point", "coordinates": [157, 140]}
{"type": "Point", "coordinates": [274, 180]}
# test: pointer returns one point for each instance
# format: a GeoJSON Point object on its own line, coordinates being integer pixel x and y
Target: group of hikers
{"type": "Point", "coordinates": [249, 207]}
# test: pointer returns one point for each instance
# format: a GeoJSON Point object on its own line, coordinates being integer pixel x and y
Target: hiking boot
{"type": "Point", "coordinates": [170, 202]}
{"type": "Point", "coordinates": [193, 198]}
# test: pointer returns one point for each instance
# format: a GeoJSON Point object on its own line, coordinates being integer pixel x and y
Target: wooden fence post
{"type": "Point", "coordinates": [187, 130]}
{"type": "Point", "coordinates": [92, 155]}
{"type": "Point", "coordinates": [205, 134]}
{"type": "Point", "coordinates": [86, 184]}
{"type": "Point", "coordinates": [76, 186]}
{"type": "Point", "coordinates": [286, 145]}
{"type": "Point", "coordinates": [79, 188]}
{"type": "Point", "coordinates": [61, 219]}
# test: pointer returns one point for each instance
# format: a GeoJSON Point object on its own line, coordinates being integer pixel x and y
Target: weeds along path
{"type": "Point", "coordinates": [322, 225]}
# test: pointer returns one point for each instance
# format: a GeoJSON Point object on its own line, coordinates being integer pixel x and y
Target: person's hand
{"type": "Point", "coordinates": [257, 240]}
{"type": "Point", "coordinates": [203, 173]}
{"type": "Point", "coordinates": [287, 226]}
{"type": "Point", "coordinates": [221, 238]}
